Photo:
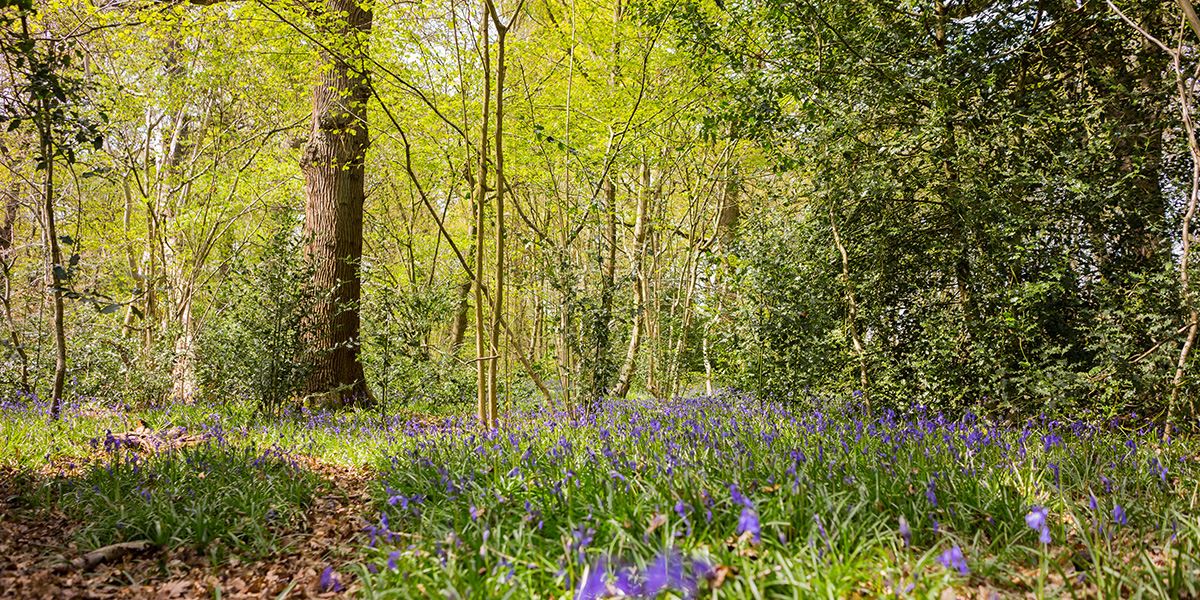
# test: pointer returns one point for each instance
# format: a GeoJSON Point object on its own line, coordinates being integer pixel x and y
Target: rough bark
{"type": "Point", "coordinates": [334, 173]}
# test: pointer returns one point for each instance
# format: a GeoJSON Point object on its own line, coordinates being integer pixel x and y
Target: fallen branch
{"type": "Point", "coordinates": [107, 553]}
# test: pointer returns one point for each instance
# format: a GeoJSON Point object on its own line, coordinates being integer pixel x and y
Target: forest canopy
{"type": "Point", "coordinates": [953, 205]}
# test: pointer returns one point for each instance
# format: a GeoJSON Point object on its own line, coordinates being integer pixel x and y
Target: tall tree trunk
{"type": "Point", "coordinates": [131, 260]}
{"type": "Point", "coordinates": [625, 377]}
{"type": "Point", "coordinates": [675, 365]}
{"type": "Point", "coordinates": [183, 371]}
{"type": "Point", "coordinates": [1186, 88]}
{"type": "Point", "coordinates": [334, 173]}
{"type": "Point", "coordinates": [54, 267]}
{"type": "Point", "coordinates": [851, 312]}
{"type": "Point", "coordinates": [173, 197]}
{"type": "Point", "coordinates": [498, 296]}
{"type": "Point", "coordinates": [481, 371]}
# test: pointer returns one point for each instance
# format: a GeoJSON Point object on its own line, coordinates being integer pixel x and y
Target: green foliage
{"type": "Point", "coordinates": [214, 497]}
{"type": "Point", "coordinates": [255, 350]}
{"type": "Point", "coordinates": [399, 355]}
{"type": "Point", "coordinates": [1002, 182]}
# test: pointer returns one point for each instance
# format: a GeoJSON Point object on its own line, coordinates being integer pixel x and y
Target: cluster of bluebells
{"type": "Point", "coordinates": [668, 571]}
{"type": "Point", "coordinates": [1037, 520]}
{"type": "Point", "coordinates": [727, 471]}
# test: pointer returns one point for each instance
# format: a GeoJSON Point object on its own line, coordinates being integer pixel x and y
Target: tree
{"type": "Point", "coordinates": [333, 165]}
{"type": "Point", "coordinates": [51, 98]}
{"type": "Point", "coordinates": [334, 173]}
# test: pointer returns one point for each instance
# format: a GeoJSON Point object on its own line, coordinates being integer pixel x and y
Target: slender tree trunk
{"type": "Point", "coordinates": [674, 369]}
{"type": "Point", "coordinates": [852, 312]}
{"type": "Point", "coordinates": [458, 328]}
{"type": "Point", "coordinates": [11, 202]}
{"type": "Point", "coordinates": [481, 370]}
{"type": "Point", "coordinates": [625, 377]}
{"type": "Point", "coordinates": [708, 368]}
{"type": "Point", "coordinates": [183, 372]}
{"type": "Point", "coordinates": [1185, 87]}
{"type": "Point", "coordinates": [498, 296]}
{"type": "Point", "coordinates": [54, 268]}
{"type": "Point", "coordinates": [173, 198]}
{"type": "Point", "coordinates": [131, 261]}
{"type": "Point", "coordinates": [1187, 96]}
{"type": "Point", "coordinates": [334, 174]}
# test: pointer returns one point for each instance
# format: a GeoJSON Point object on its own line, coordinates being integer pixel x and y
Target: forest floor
{"type": "Point", "coordinates": [38, 545]}
{"type": "Point", "coordinates": [717, 497]}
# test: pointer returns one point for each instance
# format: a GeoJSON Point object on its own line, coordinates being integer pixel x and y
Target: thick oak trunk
{"type": "Point", "coordinates": [333, 166]}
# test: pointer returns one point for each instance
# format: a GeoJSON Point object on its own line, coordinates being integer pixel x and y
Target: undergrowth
{"type": "Point", "coordinates": [215, 497]}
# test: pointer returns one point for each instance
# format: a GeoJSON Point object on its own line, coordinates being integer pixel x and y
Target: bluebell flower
{"type": "Point", "coordinates": [330, 582]}
{"type": "Point", "coordinates": [1036, 518]}
{"type": "Point", "coordinates": [593, 585]}
{"type": "Point", "coordinates": [748, 522]}
{"type": "Point", "coordinates": [666, 572]}
{"type": "Point", "coordinates": [1119, 517]}
{"type": "Point", "coordinates": [953, 558]}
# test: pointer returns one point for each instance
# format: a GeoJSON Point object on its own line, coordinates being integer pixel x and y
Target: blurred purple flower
{"type": "Point", "coordinates": [748, 521]}
{"type": "Point", "coordinates": [1036, 519]}
{"type": "Point", "coordinates": [953, 558]}
{"type": "Point", "coordinates": [330, 582]}
{"type": "Point", "coordinates": [593, 585]}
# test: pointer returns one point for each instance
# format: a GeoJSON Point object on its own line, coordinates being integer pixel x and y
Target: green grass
{"type": "Point", "coordinates": [541, 507]}
{"type": "Point", "coordinates": [538, 508]}
{"type": "Point", "coordinates": [215, 497]}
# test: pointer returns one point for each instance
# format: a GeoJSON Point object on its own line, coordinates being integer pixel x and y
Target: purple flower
{"type": "Point", "coordinates": [1036, 519]}
{"type": "Point", "coordinates": [1044, 535]}
{"type": "Point", "coordinates": [1119, 517]}
{"type": "Point", "coordinates": [330, 582]}
{"type": "Point", "coordinates": [593, 585]}
{"type": "Point", "coordinates": [738, 498]}
{"type": "Point", "coordinates": [905, 532]}
{"type": "Point", "coordinates": [666, 572]}
{"type": "Point", "coordinates": [626, 584]}
{"type": "Point", "coordinates": [748, 521]}
{"type": "Point", "coordinates": [953, 558]}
